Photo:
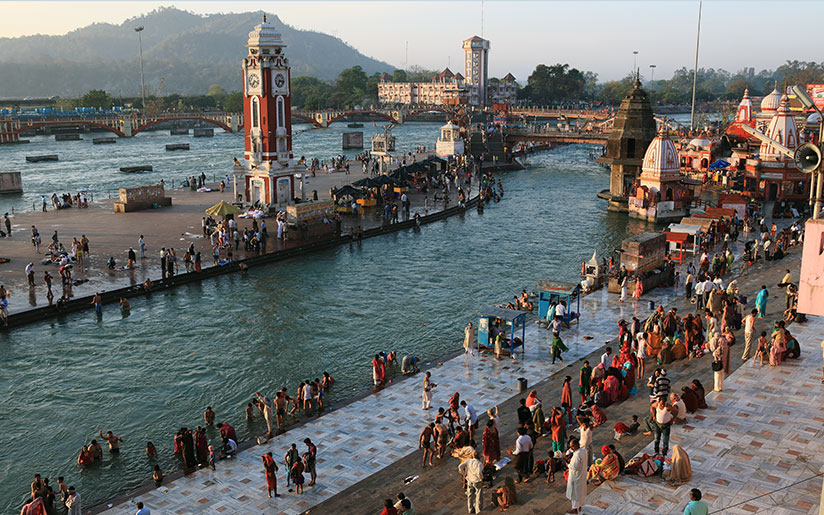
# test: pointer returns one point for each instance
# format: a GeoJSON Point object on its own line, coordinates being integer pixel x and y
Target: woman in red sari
{"type": "Point", "coordinates": [201, 446]}
{"type": "Point", "coordinates": [491, 443]}
{"type": "Point", "coordinates": [270, 469]}
{"type": "Point", "coordinates": [566, 397]}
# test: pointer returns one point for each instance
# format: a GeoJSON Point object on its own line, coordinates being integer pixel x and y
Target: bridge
{"type": "Point", "coordinates": [326, 117]}
{"type": "Point", "coordinates": [594, 115]}
{"type": "Point", "coordinates": [563, 137]}
{"type": "Point", "coordinates": [122, 126]}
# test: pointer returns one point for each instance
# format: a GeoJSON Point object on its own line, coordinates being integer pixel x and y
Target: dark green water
{"type": "Point", "coordinates": [218, 342]}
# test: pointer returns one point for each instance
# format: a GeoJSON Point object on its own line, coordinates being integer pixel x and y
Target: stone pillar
{"type": "Point", "coordinates": [126, 127]}
{"type": "Point", "coordinates": [233, 121]}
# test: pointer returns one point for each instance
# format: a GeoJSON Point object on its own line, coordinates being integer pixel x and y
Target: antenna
{"type": "Point", "coordinates": [482, 18]}
{"type": "Point", "coordinates": [406, 57]}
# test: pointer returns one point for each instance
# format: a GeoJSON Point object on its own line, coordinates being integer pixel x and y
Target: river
{"type": "Point", "coordinates": [218, 342]}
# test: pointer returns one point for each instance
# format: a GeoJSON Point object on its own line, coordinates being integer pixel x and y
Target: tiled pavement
{"type": "Point", "coordinates": [763, 433]}
{"type": "Point", "coordinates": [365, 436]}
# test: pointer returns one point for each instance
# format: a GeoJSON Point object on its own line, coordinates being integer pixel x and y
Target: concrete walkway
{"type": "Point", "coordinates": [368, 435]}
{"type": "Point", "coordinates": [758, 449]}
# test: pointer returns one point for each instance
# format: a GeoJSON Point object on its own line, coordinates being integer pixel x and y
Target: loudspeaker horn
{"type": "Point", "coordinates": [807, 157]}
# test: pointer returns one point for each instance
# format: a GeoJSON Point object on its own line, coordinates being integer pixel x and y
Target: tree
{"type": "Point", "coordinates": [309, 93]}
{"type": "Point", "coordinates": [555, 83]}
{"type": "Point", "coordinates": [96, 98]}
{"type": "Point", "coordinates": [399, 76]}
{"type": "Point", "coordinates": [233, 103]}
{"type": "Point", "coordinates": [217, 92]}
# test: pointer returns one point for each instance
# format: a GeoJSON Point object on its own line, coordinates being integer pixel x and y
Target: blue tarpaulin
{"type": "Point", "coordinates": [719, 164]}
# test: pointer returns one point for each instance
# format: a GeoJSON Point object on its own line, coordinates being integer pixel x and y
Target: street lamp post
{"type": "Point", "coordinates": [142, 80]}
{"type": "Point", "coordinates": [817, 179]}
{"type": "Point", "coordinates": [651, 74]}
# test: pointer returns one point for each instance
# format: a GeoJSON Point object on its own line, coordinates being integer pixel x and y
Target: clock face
{"type": "Point", "coordinates": [280, 80]}
{"type": "Point", "coordinates": [254, 80]}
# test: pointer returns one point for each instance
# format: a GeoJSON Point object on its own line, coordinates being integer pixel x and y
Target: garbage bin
{"type": "Point", "coordinates": [522, 384]}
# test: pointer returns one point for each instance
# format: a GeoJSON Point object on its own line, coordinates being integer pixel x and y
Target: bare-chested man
{"type": "Point", "coordinates": [425, 443]}
{"type": "Point", "coordinates": [114, 441]}
{"type": "Point", "coordinates": [441, 436]}
{"type": "Point", "coordinates": [280, 409]}
{"type": "Point", "coordinates": [209, 416]}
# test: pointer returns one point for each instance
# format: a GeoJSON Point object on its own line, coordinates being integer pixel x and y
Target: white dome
{"type": "Point", "coordinates": [702, 143]}
{"type": "Point", "coordinates": [661, 159]}
{"type": "Point", "coordinates": [814, 119]}
{"type": "Point", "coordinates": [265, 34]}
{"type": "Point", "coordinates": [783, 130]}
{"type": "Point", "coordinates": [771, 101]}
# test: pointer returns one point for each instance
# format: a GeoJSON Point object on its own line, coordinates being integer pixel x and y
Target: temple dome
{"type": "Point", "coordinates": [661, 159]}
{"type": "Point", "coordinates": [744, 108]}
{"type": "Point", "coordinates": [702, 143]}
{"type": "Point", "coordinates": [771, 101]}
{"type": "Point", "coordinates": [782, 130]}
{"type": "Point", "coordinates": [813, 120]}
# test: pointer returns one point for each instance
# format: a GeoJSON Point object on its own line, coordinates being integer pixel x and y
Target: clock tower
{"type": "Point", "coordinates": [269, 168]}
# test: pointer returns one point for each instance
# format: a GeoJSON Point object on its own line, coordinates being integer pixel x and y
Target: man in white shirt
{"type": "Point", "coordinates": [699, 295]}
{"type": "Point", "coordinates": [523, 448]}
{"type": "Point", "coordinates": [606, 357]}
{"type": "Point", "coordinates": [680, 405]}
{"type": "Point", "coordinates": [472, 471]}
{"type": "Point", "coordinates": [471, 417]}
{"type": "Point", "coordinates": [560, 311]}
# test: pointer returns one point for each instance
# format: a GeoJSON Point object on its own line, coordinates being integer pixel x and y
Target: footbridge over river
{"type": "Point", "coordinates": [124, 126]}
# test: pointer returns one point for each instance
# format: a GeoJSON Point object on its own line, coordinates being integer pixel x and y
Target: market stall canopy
{"type": "Point", "coordinates": [347, 190]}
{"type": "Point", "coordinates": [368, 182]}
{"type": "Point", "coordinates": [223, 208]}
{"type": "Point", "coordinates": [719, 164]}
{"type": "Point", "coordinates": [503, 314]}
{"type": "Point", "coordinates": [385, 179]}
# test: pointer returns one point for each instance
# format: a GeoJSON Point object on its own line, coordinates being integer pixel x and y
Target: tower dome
{"type": "Point", "coordinates": [771, 102]}
{"type": "Point", "coordinates": [782, 130]}
{"type": "Point", "coordinates": [660, 161]}
{"type": "Point", "coordinates": [265, 35]}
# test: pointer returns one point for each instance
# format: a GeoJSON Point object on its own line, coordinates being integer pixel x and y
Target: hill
{"type": "Point", "coordinates": [191, 51]}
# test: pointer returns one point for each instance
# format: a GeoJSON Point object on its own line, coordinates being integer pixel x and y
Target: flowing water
{"type": "Point", "coordinates": [218, 342]}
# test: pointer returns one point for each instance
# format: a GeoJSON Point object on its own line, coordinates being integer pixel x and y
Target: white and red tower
{"type": "Point", "coordinates": [744, 114]}
{"type": "Point", "coordinates": [268, 173]}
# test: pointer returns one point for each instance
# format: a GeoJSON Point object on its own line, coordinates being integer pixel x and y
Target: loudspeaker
{"type": "Point", "coordinates": [807, 157]}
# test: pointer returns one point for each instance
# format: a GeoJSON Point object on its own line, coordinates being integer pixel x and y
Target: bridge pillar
{"type": "Point", "coordinates": [126, 127]}
{"type": "Point", "coordinates": [322, 118]}
{"type": "Point", "coordinates": [233, 121]}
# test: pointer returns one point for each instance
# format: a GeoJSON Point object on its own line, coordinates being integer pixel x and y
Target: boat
{"type": "Point", "coordinates": [355, 125]}
{"type": "Point", "coordinates": [37, 159]}
{"type": "Point", "coordinates": [177, 146]}
{"type": "Point", "coordinates": [98, 141]}
{"type": "Point", "coordinates": [134, 169]}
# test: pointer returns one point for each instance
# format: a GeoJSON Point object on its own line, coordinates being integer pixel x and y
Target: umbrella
{"type": "Point", "coordinates": [719, 164]}
{"type": "Point", "coordinates": [222, 208]}
{"type": "Point", "coordinates": [347, 190]}
{"type": "Point", "coordinates": [368, 182]}
{"type": "Point", "coordinates": [385, 179]}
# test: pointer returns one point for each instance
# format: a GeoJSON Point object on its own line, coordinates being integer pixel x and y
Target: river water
{"type": "Point", "coordinates": [218, 342]}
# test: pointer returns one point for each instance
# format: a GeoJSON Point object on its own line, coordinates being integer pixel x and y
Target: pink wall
{"type": "Point", "coordinates": [811, 285]}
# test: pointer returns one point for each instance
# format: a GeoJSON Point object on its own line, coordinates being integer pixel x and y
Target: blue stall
{"type": "Point", "coordinates": [491, 321]}
{"type": "Point", "coordinates": [550, 292]}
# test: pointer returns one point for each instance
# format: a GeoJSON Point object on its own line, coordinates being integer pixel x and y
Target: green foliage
{"type": "Point", "coordinates": [217, 92]}
{"type": "Point", "coordinates": [555, 83]}
{"type": "Point", "coordinates": [233, 103]}
{"type": "Point", "coordinates": [96, 98]}
{"type": "Point", "coordinates": [399, 76]}
{"type": "Point", "coordinates": [310, 93]}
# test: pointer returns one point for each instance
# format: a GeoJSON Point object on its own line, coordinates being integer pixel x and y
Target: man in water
{"type": "Point", "coordinates": [114, 441]}
{"type": "Point", "coordinates": [209, 416]}
{"type": "Point", "coordinates": [97, 302]}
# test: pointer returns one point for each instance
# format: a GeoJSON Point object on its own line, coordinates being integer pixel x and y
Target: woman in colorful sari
{"type": "Point", "coordinates": [557, 425]}
{"type": "Point", "coordinates": [639, 289]}
{"type": "Point", "coordinates": [612, 388]}
{"type": "Point", "coordinates": [566, 397]}
{"type": "Point", "coordinates": [698, 388]}
{"type": "Point", "coordinates": [761, 302]}
{"type": "Point", "coordinates": [779, 345]}
{"type": "Point", "coordinates": [654, 342]}
{"type": "Point", "coordinates": [491, 443]}
{"type": "Point", "coordinates": [608, 468]}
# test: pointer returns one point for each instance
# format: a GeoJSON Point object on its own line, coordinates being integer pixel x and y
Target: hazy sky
{"type": "Point", "coordinates": [596, 36]}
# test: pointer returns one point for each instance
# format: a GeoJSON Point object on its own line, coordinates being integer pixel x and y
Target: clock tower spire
{"type": "Point", "coordinates": [267, 115]}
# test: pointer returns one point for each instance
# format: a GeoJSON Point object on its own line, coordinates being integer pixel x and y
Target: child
{"type": "Point", "coordinates": [157, 475]}
{"type": "Point", "coordinates": [633, 427]}
{"type": "Point", "coordinates": [151, 452]}
{"type": "Point", "coordinates": [556, 464]}
{"type": "Point", "coordinates": [763, 349]}
{"type": "Point", "coordinates": [212, 456]}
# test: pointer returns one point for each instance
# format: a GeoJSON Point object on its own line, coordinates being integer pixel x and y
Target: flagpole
{"type": "Point", "coordinates": [695, 70]}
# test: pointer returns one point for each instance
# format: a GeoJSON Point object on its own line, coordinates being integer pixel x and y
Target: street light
{"type": "Point", "coordinates": [651, 74]}
{"type": "Point", "coordinates": [142, 80]}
